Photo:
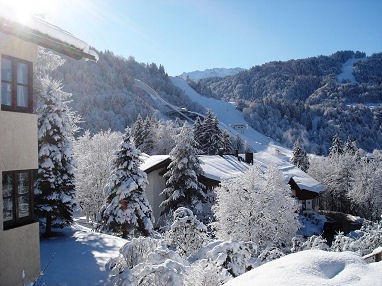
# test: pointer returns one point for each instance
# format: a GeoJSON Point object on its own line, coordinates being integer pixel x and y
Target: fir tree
{"type": "Point", "coordinates": [182, 186]}
{"type": "Point", "coordinates": [336, 148]}
{"type": "Point", "coordinates": [137, 132]}
{"type": "Point", "coordinates": [300, 157]}
{"type": "Point", "coordinates": [147, 136]}
{"type": "Point", "coordinates": [226, 143]}
{"type": "Point", "coordinates": [55, 187]}
{"type": "Point", "coordinates": [127, 212]}
{"type": "Point", "coordinates": [198, 130]}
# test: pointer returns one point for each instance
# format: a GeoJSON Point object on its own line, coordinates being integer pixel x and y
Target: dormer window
{"type": "Point", "coordinates": [16, 85]}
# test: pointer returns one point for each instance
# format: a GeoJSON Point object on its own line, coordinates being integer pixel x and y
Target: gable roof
{"type": "Point", "coordinates": [303, 180]}
{"type": "Point", "coordinates": [46, 35]}
{"type": "Point", "coordinates": [218, 168]}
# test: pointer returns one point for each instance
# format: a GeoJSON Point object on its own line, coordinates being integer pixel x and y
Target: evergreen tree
{"type": "Point", "coordinates": [210, 136]}
{"type": "Point", "coordinates": [336, 148]}
{"type": "Point", "coordinates": [198, 130]}
{"type": "Point", "coordinates": [137, 132]}
{"type": "Point", "coordinates": [147, 136]}
{"type": "Point", "coordinates": [350, 147]}
{"type": "Point", "coordinates": [206, 132]}
{"type": "Point", "coordinates": [127, 212]}
{"type": "Point", "coordinates": [182, 186]}
{"type": "Point", "coordinates": [55, 187]}
{"type": "Point", "coordinates": [300, 157]}
{"type": "Point", "coordinates": [226, 143]}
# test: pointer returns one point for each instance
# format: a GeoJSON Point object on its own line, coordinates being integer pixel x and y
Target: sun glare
{"type": "Point", "coordinates": [23, 10]}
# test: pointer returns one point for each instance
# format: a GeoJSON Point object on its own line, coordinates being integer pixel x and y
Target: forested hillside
{"type": "Point", "coordinates": [105, 96]}
{"type": "Point", "coordinates": [309, 100]}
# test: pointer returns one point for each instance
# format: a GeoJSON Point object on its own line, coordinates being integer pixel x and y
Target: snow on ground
{"type": "Point", "coordinates": [228, 116]}
{"type": "Point", "coordinates": [313, 267]}
{"type": "Point", "coordinates": [347, 71]}
{"type": "Point", "coordinates": [77, 257]}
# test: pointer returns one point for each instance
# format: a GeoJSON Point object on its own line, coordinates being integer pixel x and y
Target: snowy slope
{"type": "Point", "coordinates": [347, 70]}
{"type": "Point", "coordinates": [216, 72]}
{"type": "Point", "coordinates": [313, 267]}
{"type": "Point", "coordinates": [77, 257]}
{"type": "Point", "coordinates": [229, 116]}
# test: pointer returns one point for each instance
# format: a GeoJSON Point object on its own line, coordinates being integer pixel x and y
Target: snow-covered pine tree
{"type": "Point", "coordinates": [300, 157]}
{"type": "Point", "coordinates": [147, 134]}
{"type": "Point", "coordinates": [336, 148]}
{"type": "Point", "coordinates": [55, 187]}
{"type": "Point", "coordinates": [126, 212]}
{"type": "Point", "coordinates": [198, 130]}
{"type": "Point", "coordinates": [182, 186]}
{"type": "Point", "coordinates": [137, 132]}
{"type": "Point", "coordinates": [227, 146]}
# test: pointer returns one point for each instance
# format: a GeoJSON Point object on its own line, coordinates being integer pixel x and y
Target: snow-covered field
{"type": "Point", "coordinates": [314, 267]}
{"type": "Point", "coordinates": [77, 257]}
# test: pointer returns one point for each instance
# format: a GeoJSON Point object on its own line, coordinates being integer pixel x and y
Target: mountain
{"type": "Point", "coordinates": [107, 95]}
{"type": "Point", "coordinates": [208, 73]}
{"type": "Point", "coordinates": [309, 100]}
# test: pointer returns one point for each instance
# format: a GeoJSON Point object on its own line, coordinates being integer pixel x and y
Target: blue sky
{"type": "Point", "coordinates": [187, 35]}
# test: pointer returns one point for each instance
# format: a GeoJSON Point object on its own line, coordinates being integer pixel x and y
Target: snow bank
{"type": "Point", "coordinates": [313, 267]}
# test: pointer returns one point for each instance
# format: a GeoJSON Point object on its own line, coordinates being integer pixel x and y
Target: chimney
{"type": "Point", "coordinates": [221, 152]}
{"type": "Point", "coordinates": [249, 158]}
{"type": "Point", "coordinates": [236, 153]}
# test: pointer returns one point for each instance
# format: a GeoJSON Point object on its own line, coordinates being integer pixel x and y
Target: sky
{"type": "Point", "coordinates": [188, 35]}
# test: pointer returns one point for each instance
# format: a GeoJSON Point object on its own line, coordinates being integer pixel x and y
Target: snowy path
{"type": "Point", "coordinates": [77, 257]}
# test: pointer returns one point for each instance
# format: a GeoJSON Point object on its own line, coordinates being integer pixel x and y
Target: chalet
{"type": "Point", "coordinates": [219, 167]}
{"type": "Point", "coordinates": [19, 231]}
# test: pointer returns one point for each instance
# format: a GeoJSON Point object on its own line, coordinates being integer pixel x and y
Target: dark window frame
{"type": "Point", "coordinates": [19, 221]}
{"type": "Point", "coordinates": [14, 84]}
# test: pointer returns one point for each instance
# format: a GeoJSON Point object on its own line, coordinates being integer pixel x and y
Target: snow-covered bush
{"type": "Point", "coordinates": [147, 261]}
{"type": "Point", "coordinates": [256, 206]}
{"type": "Point", "coordinates": [369, 238]}
{"type": "Point", "coordinates": [235, 257]}
{"type": "Point", "coordinates": [187, 234]}
{"type": "Point", "coordinates": [269, 254]}
{"type": "Point", "coordinates": [315, 242]}
{"type": "Point", "coordinates": [205, 273]}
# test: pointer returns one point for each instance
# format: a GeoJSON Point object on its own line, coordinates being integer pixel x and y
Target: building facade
{"type": "Point", "coordinates": [19, 230]}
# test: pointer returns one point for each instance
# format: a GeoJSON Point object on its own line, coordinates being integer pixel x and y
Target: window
{"type": "Point", "coordinates": [17, 189]}
{"type": "Point", "coordinates": [16, 85]}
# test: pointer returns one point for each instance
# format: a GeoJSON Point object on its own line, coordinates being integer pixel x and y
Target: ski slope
{"type": "Point", "coordinates": [229, 116]}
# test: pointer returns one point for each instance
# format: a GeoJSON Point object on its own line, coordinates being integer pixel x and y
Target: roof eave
{"type": "Point", "coordinates": [44, 40]}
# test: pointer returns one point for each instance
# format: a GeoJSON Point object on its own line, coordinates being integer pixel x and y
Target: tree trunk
{"type": "Point", "coordinates": [48, 225]}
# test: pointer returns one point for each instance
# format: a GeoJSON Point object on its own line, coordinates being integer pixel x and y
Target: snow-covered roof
{"type": "Point", "coordinates": [314, 267]}
{"type": "Point", "coordinates": [45, 34]}
{"type": "Point", "coordinates": [218, 168]}
{"type": "Point", "coordinates": [152, 161]}
{"type": "Point", "coordinates": [302, 179]}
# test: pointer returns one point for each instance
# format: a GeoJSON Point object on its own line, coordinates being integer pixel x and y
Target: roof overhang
{"type": "Point", "coordinates": [44, 34]}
